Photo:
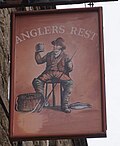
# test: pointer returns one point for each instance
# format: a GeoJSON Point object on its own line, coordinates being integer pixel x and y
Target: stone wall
{"type": "Point", "coordinates": [4, 101]}
{"type": "Point", "coordinates": [4, 73]}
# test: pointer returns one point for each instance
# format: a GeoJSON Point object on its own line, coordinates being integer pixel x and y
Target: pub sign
{"type": "Point", "coordinates": [57, 74]}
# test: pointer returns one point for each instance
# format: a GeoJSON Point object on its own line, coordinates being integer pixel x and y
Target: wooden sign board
{"type": "Point", "coordinates": [57, 74]}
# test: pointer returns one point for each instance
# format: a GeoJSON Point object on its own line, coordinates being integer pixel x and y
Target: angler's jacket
{"type": "Point", "coordinates": [60, 63]}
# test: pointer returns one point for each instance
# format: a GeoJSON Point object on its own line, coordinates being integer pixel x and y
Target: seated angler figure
{"type": "Point", "coordinates": [58, 67]}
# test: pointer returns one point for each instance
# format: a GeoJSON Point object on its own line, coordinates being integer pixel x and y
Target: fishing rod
{"type": "Point", "coordinates": [40, 106]}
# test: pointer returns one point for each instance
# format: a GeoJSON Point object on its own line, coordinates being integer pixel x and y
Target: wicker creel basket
{"type": "Point", "coordinates": [28, 101]}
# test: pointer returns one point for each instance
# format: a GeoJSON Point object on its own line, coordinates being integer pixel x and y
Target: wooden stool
{"type": "Point", "coordinates": [54, 83]}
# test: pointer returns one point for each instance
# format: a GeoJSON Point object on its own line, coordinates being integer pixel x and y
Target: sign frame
{"type": "Point", "coordinates": [91, 76]}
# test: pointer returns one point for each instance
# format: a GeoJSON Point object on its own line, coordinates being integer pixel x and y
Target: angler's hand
{"type": "Point", "coordinates": [69, 66]}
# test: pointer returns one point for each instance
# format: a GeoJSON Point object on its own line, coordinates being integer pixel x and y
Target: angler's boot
{"type": "Point", "coordinates": [39, 88]}
{"type": "Point", "coordinates": [67, 86]}
{"type": "Point", "coordinates": [65, 107]}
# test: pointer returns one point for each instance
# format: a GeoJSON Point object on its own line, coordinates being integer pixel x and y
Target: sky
{"type": "Point", "coordinates": [111, 24]}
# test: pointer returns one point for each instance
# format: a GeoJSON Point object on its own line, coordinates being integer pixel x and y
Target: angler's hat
{"type": "Point", "coordinates": [60, 42]}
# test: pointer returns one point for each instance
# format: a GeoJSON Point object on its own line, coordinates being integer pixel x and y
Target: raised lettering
{"type": "Point", "coordinates": [87, 34]}
{"type": "Point", "coordinates": [25, 35]}
{"type": "Point", "coordinates": [40, 32]}
{"type": "Point", "coordinates": [61, 29]}
{"type": "Point", "coordinates": [73, 31]}
{"type": "Point", "coordinates": [93, 35]}
{"type": "Point", "coordinates": [81, 32]}
{"type": "Point", "coordinates": [33, 33]}
{"type": "Point", "coordinates": [18, 40]}
{"type": "Point", "coordinates": [47, 30]}
{"type": "Point", "coordinates": [55, 29]}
